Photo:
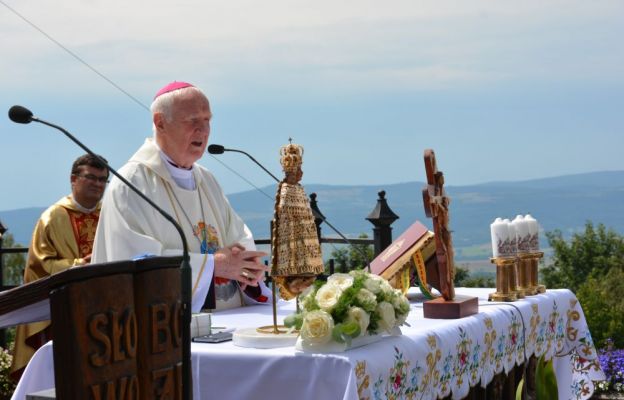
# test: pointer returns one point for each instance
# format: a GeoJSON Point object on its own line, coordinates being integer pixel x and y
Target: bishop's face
{"type": "Point", "coordinates": [185, 137]}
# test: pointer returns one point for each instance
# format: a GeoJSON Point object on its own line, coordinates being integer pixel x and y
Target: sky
{"type": "Point", "coordinates": [501, 90]}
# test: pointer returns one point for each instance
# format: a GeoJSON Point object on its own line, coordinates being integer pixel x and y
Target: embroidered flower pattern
{"type": "Point", "coordinates": [474, 359]}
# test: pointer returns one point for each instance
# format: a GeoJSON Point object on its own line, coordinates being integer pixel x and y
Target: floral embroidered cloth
{"type": "Point", "coordinates": [433, 358]}
{"type": "Point", "coordinates": [447, 357]}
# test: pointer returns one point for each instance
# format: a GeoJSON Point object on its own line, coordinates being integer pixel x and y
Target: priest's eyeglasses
{"type": "Point", "coordinates": [93, 178]}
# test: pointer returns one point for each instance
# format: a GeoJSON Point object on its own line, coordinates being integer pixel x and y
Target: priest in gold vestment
{"type": "Point", "coordinates": [63, 238]}
{"type": "Point", "coordinates": [296, 252]}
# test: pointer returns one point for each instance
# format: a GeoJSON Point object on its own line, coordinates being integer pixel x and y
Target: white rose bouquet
{"type": "Point", "coordinates": [348, 306]}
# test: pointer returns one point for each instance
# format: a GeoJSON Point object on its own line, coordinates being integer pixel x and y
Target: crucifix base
{"type": "Point", "coordinates": [459, 307]}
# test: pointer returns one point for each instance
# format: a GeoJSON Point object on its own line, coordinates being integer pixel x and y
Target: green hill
{"type": "Point", "coordinates": [565, 203]}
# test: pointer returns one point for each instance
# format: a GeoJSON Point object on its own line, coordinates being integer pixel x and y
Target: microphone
{"type": "Point", "coordinates": [218, 149]}
{"type": "Point", "coordinates": [22, 115]}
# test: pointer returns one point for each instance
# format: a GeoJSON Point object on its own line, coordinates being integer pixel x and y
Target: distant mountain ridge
{"type": "Point", "coordinates": [564, 203]}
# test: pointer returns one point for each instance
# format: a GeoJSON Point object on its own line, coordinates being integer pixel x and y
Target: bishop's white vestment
{"type": "Point", "coordinates": [130, 228]}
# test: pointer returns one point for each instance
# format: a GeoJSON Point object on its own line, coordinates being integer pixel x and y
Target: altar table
{"type": "Point", "coordinates": [432, 359]}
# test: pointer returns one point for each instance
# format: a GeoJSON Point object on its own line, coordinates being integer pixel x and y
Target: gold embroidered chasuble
{"type": "Point", "coordinates": [62, 237]}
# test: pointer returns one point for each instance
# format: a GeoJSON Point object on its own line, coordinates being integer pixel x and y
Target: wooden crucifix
{"type": "Point", "coordinates": [436, 204]}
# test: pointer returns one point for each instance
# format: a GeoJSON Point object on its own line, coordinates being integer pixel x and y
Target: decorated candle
{"type": "Point", "coordinates": [533, 232]}
{"type": "Point", "coordinates": [512, 245]}
{"type": "Point", "coordinates": [523, 237]}
{"type": "Point", "coordinates": [500, 236]}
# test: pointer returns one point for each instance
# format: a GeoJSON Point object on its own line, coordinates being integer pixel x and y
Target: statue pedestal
{"type": "Point", "coordinates": [459, 307]}
{"type": "Point", "coordinates": [250, 337]}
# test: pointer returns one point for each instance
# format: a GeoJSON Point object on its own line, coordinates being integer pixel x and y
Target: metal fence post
{"type": "Point", "coordinates": [3, 229]}
{"type": "Point", "coordinates": [382, 217]}
{"type": "Point", "coordinates": [318, 215]}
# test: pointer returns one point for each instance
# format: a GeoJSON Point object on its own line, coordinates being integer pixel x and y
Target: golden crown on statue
{"type": "Point", "coordinates": [291, 156]}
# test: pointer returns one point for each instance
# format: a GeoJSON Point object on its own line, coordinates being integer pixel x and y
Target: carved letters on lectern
{"type": "Point", "coordinates": [166, 335]}
{"type": "Point", "coordinates": [122, 341]}
{"type": "Point", "coordinates": [126, 387]}
{"type": "Point", "coordinates": [165, 323]}
{"type": "Point", "coordinates": [116, 336]}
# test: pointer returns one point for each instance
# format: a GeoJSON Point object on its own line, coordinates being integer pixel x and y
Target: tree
{"type": "Point", "coordinates": [461, 274]}
{"type": "Point", "coordinates": [12, 274]}
{"type": "Point", "coordinates": [464, 278]}
{"type": "Point", "coordinates": [13, 264]}
{"type": "Point", "coordinates": [591, 253]}
{"type": "Point", "coordinates": [591, 264]}
{"type": "Point", "coordinates": [353, 256]}
{"type": "Point", "coordinates": [603, 310]}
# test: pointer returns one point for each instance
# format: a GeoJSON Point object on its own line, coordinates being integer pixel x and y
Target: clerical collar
{"type": "Point", "coordinates": [182, 176]}
{"type": "Point", "coordinates": [82, 208]}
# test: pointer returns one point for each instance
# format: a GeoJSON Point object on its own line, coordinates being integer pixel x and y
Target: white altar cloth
{"type": "Point", "coordinates": [433, 358]}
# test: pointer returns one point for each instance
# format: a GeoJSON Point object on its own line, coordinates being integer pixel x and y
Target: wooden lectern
{"type": "Point", "coordinates": [116, 328]}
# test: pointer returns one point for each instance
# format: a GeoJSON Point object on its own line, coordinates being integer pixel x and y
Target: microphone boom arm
{"type": "Point", "coordinates": [254, 160]}
{"type": "Point", "coordinates": [362, 253]}
{"type": "Point", "coordinates": [185, 268]}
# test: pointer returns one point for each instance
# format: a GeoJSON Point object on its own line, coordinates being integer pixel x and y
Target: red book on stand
{"type": "Point", "coordinates": [408, 253]}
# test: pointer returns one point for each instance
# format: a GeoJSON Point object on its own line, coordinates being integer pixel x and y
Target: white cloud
{"type": "Point", "coordinates": [403, 45]}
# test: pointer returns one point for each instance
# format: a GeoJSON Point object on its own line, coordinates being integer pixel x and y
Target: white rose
{"type": "Point", "coordinates": [400, 302]}
{"type": "Point", "coordinates": [327, 296]}
{"type": "Point", "coordinates": [317, 327]}
{"type": "Point", "coordinates": [372, 284]}
{"type": "Point", "coordinates": [356, 273]}
{"type": "Point", "coordinates": [356, 314]}
{"type": "Point", "coordinates": [386, 288]}
{"type": "Point", "coordinates": [388, 319]}
{"type": "Point", "coordinates": [401, 318]}
{"type": "Point", "coordinates": [367, 299]}
{"type": "Point", "coordinates": [401, 307]}
{"type": "Point", "coordinates": [343, 281]}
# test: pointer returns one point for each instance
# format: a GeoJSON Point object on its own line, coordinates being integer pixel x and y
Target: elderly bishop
{"type": "Point", "coordinates": [165, 169]}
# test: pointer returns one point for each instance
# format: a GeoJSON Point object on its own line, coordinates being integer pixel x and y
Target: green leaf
{"type": "Point", "coordinates": [344, 332]}
{"type": "Point", "coordinates": [519, 389]}
{"type": "Point", "coordinates": [545, 380]}
{"type": "Point", "coordinates": [337, 334]}
{"type": "Point", "coordinates": [295, 320]}
{"type": "Point", "coordinates": [351, 329]}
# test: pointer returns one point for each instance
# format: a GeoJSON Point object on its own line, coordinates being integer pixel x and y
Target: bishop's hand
{"type": "Point", "coordinates": [236, 263]}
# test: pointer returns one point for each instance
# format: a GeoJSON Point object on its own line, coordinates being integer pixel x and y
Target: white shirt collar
{"type": "Point", "coordinates": [80, 207]}
{"type": "Point", "coordinates": [183, 177]}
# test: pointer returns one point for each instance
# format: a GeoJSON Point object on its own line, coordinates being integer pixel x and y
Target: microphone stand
{"type": "Point", "coordinates": [343, 237]}
{"type": "Point", "coordinates": [185, 267]}
{"type": "Point", "coordinates": [254, 160]}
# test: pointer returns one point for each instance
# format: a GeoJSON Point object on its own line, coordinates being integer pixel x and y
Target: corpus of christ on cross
{"type": "Point", "coordinates": [436, 204]}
